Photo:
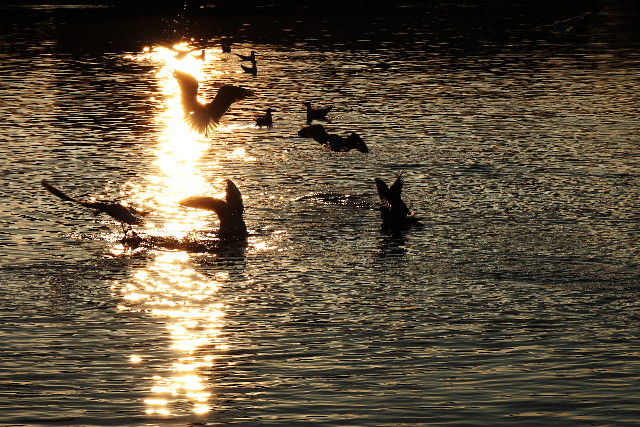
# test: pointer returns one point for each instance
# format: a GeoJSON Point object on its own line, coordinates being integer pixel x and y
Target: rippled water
{"type": "Point", "coordinates": [516, 301]}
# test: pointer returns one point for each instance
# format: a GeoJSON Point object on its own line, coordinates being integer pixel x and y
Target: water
{"type": "Point", "coordinates": [515, 302]}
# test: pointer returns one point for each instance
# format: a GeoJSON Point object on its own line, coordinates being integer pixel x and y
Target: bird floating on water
{"type": "Point", "coordinates": [333, 142]}
{"type": "Point", "coordinates": [121, 213]}
{"type": "Point", "coordinates": [225, 47]}
{"type": "Point", "coordinates": [394, 212]}
{"type": "Point", "coordinates": [316, 113]}
{"type": "Point", "coordinates": [266, 119]}
{"type": "Point", "coordinates": [251, 57]}
{"type": "Point", "coordinates": [202, 117]}
{"type": "Point", "coordinates": [229, 211]}
{"type": "Point", "coordinates": [253, 70]}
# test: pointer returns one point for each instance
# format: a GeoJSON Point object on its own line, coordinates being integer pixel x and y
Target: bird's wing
{"type": "Point", "coordinates": [56, 192]}
{"type": "Point", "coordinates": [390, 197]}
{"type": "Point", "coordinates": [207, 203]}
{"type": "Point", "coordinates": [226, 96]}
{"type": "Point", "coordinates": [234, 197]}
{"type": "Point", "coordinates": [384, 192]}
{"type": "Point", "coordinates": [355, 141]}
{"type": "Point", "coordinates": [397, 186]}
{"type": "Point", "coordinates": [188, 89]}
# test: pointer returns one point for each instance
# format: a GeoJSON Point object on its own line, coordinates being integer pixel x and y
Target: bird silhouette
{"type": "Point", "coordinates": [253, 70]}
{"type": "Point", "coordinates": [251, 57]}
{"type": "Point", "coordinates": [566, 25]}
{"type": "Point", "coordinates": [121, 213]}
{"type": "Point", "coordinates": [394, 212]}
{"type": "Point", "coordinates": [225, 47]}
{"type": "Point", "coordinates": [316, 113]}
{"type": "Point", "coordinates": [229, 211]}
{"type": "Point", "coordinates": [266, 119]}
{"type": "Point", "coordinates": [333, 142]}
{"type": "Point", "coordinates": [203, 117]}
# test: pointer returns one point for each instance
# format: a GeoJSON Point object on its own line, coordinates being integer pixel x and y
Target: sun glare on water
{"type": "Point", "coordinates": [168, 287]}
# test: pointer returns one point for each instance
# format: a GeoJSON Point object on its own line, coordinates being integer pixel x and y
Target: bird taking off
{"type": "Point", "coordinates": [394, 212]}
{"type": "Point", "coordinates": [121, 213]}
{"type": "Point", "coordinates": [203, 117]}
{"type": "Point", "coordinates": [333, 142]}
{"type": "Point", "coordinates": [229, 211]}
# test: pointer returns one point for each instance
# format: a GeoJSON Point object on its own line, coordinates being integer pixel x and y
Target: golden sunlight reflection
{"type": "Point", "coordinates": [187, 303]}
{"type": "Point", "coordinates": [179, 149]}
{"type": "Point", "coordinates": [168, 287]}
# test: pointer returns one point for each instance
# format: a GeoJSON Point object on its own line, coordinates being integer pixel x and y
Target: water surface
{"type": "Point", "coordinates": [516, 301]}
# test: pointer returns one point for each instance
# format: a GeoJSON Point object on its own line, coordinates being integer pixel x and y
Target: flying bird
{"type": "Point", "coordinates": [266, 119]}
{"type": "Point", "coordinates": [333, 142]}
{"type": "Point", "coordinates": [316, 113]}
{"type": "Point", "coordinates": [121, 213]}
{"type": "Point", "coordinates": [394, 212]}
{"type": "Point", "coordinates": [566, 25]}
{"type": "Point", "coordinates": [229, 211]}
{"type": "Point", "coordinates": [203, 117]}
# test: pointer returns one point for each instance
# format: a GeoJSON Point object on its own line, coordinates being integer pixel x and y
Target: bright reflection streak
{"type": "Point", "coordinates": [186, 301]}
{"type": "Point", "coordinates": [168, 287]}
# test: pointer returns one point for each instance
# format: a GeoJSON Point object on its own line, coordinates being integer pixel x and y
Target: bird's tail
{"type": "Point", "coordinates": [56, 192]}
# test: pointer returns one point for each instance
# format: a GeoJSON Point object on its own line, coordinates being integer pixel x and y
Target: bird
{"type": "Point", "coordinates": [566, 25]}
{"type": "Point", "coordinates": [251, 57]}
{"type": "Point", "coordinates": [253, 70]}
{"type": "Point", "coordinates": [225, 47]}
{"type": "Point", "coordinates": [316, 113]}
{"type": "Point", "coordinates": [394, 212]}
{"type": "Point", "coordinates": [202, 117]}
{"type": "Point", "coordinates": [333, 142]}
{"type": "Point", "coordinates": [201, 56]}
{"type": "Point", "coordinates": [229, 211]}
{"type": "Point", "coordinates": [121, 213]}
{"type": "Point", "coordinates": [266, 119]}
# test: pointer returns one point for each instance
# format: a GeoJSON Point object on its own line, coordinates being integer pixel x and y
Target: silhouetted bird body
{"type": "Point", "coordinates": [566, 25]}
{"type": "Point", "coordinates": [251, 57]}
{"type": "Point", "coordinates": [229, 211]}
{"type": "Point", "coordinates": [316, 113]}
{"type": "Point", "coordinates": [333, 142]}
{"type": "Point", "coordinates": [266, 119]}
{"type": "Point", "coordinates": [393, 211]}
{"type": "Point", "coordinates": [202, 117]}
{"type": "Point", "coordinates": [119, 212]}
{"type": "Point", "coordinates": [253, 70]}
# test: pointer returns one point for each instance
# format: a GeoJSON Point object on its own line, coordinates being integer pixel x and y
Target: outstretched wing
{"type": "Point", "coordinates": [355, 141]}
{"type": "Point", "coordinates": [56, 192]}
{"type": "Point", "coordinates": [384, 192]}
{"type": "Point", "coordinates": [226, 96]}
{"type": "Point", "coordinates": [397, 186]}
{"type": "Point", "coordinates": [188, 90]}
{"type": "Point", "coordinates": [117, 211]}
{"type": "Point", "coordinates": [234, 198]}
{"type": "Point", "coordinates": [207, 203]}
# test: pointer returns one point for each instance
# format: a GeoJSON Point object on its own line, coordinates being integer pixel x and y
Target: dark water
{"type": "Point", "coordinates": [515, 302]}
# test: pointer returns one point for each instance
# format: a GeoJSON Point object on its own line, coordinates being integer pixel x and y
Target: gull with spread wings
{"type": "Point", "coordinates": [203, 117]}
{"type": "Point", "coordinates": [121, 213]}
{"type": "Point", "coordinates": [229, 211]}
{"type": "Point", "coordinates": [394, 212]}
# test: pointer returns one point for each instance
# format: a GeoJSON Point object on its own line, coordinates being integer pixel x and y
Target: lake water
{"type": "Point", "coordinates": [516, 301]}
